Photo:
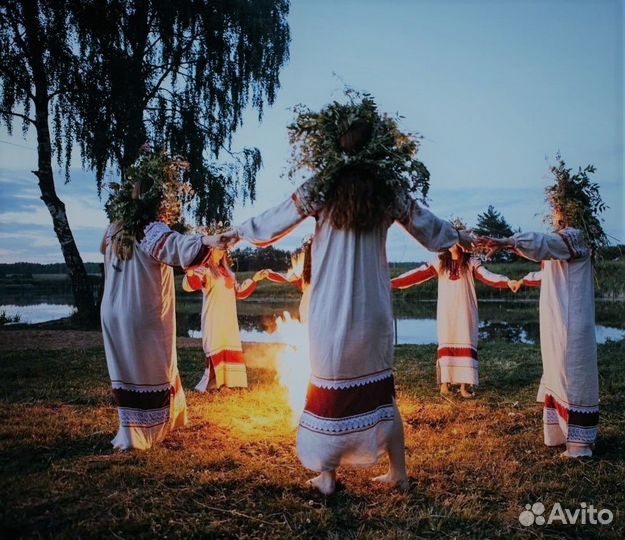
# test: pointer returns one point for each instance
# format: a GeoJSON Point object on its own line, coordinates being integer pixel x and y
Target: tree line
{"type": "Point", "coordinates": [110, 75]}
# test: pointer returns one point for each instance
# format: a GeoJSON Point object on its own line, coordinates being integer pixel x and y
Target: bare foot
{"type": "Point", "coordinates": [466, 394]}
{"type": "Point", "coordinates": [445, 389]}
{"type": "Point", "coordinates": [393, 480]}
{"type": "Point", "coordinates": [577, 451]}
{"type": "Point", "coordinates": [325, 482]}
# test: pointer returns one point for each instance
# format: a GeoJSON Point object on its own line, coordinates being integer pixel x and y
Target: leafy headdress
{"type": "Point", "coordinates": [315, 139]}
{"type": "Point", "coordinates": [153, 189]}
{"type": "Point", "coordinates": [578, 199]}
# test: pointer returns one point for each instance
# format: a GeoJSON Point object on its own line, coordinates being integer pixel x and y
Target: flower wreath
{"type": "Point", "coordinates": [315, 136]}
{"type": "Point", "coordinates": [163, 200]}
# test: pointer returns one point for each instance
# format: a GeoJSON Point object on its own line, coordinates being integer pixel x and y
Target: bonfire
{"type": "Point", "coordinates": [292, 365]}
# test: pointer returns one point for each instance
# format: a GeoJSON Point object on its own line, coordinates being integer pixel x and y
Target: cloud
{"type": "Point", "coordinates": [32, 240]}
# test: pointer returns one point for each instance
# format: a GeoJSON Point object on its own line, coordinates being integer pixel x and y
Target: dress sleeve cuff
{"type": "Point", "coordinates": [201, 256]}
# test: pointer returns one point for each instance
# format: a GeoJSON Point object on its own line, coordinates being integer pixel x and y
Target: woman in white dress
{"type": "Point", "coordinates": [456, 313]}
{"type": "Point", "coordinates": [569, 388]}
{"type": "Point", "coordinates": [138, 308]}
{"type": "Point", "coordinates": [350, 416]}
{"type": "Point", "coordinates": [221, 340]}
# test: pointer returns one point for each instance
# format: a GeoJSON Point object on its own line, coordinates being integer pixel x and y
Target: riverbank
{"type": "Point", "coordinates": [233, 473]}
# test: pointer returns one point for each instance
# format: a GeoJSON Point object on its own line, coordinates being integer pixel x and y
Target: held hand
{"type": "Point", "coordinates": [515, 285]}
{"type": "Point", "coordinates": [493, 245]}
{"type": "Point", "coordinates": [260, 275]}
{"type": "Point", "coordinates": [212, 241]}
{"type": "Point", "coordinates": [229, 239]}
{"type": "Point", "coordinates": [466, 240]}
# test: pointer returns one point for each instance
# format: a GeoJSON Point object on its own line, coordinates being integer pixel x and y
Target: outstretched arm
{"type": "Point", "coordinates": [432, 232]}
{"type": "Point", "coordinates": [276, 277]}
{"type": "Point", "coordinates": [278, 222]}
{"type": "Point", "coordinates": [175, 249]}
{"type": "Point", "coordinates": [563, 245]}
{"type": "Point", "coordinates": [533, 279]}
{"type": "Point", "coordinates": [413, 277]}
{"type": "Point", "coordinates": [245, 289]}
{"type": "Point", "coordinates": [497, 281]}
{"type": "Point", "coordinates": [194, 279]}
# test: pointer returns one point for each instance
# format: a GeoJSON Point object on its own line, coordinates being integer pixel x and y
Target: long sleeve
{"type": "Point", "coordinates": [245, 289]}
{"type": "Point", "coordinates": [487, 277]}
{"type": "Point", "coordinates": [429, 230]}
{"type": "Point", "coordinates": [276, 277]}
{"type": "Point", "coordinates": [533, 279]}
{"type": "Point", "coordinates": [172, 248]}
{"type": "Point", "coordinates": [278, 222]}
{"type": "Point", "coordinates": [413, 277]}
{"type": "Point", "coordinates": [193, 280]}
{"type": "Point", "coordinates": [564, 245]}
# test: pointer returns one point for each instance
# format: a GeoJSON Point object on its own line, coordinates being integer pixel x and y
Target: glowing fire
{"type": "Point", "coordinates": [292, 364]}
{"type": "Point", "coordinates": [297, 266]}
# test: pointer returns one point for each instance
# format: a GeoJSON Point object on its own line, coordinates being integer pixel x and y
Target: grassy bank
{"type": "Point", "coordinates": [233, 473]}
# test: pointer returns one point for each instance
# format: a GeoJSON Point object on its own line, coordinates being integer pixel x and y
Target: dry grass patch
{"type": "Point", "coordinates": [233, 472]}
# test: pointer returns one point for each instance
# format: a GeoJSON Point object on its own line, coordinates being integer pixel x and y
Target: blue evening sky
{"type": "Point", "coordinates": [496, 88]}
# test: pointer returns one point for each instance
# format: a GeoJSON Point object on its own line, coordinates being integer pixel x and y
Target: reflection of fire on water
{"type": "Point", "coordinates": [292, 364]}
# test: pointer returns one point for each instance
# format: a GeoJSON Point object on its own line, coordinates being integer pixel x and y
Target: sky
{"type": "Point", "coordinates": [496, 88]}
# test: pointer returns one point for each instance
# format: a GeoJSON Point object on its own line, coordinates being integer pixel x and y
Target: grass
{"type": "Point", "coordinates": [233, 473]}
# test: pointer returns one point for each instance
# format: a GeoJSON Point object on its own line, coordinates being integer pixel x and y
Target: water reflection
{"type": "Point", "coordinates": [423, 331]}
{"type": "Point", "coordinates": [37, 313]}
{"type": "Point", "coordinates": [415, 325]}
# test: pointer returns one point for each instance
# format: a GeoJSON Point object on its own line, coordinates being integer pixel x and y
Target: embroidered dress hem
{"type": "Point", "coordinates": [227, 367]}
{"type": "Point", "coordinates": [457, 365]}
{"type": "Point", "coordinates": [564, 423]}
{"type": "Point", "coordinates": [345, 424]}
{"type": "Point", "coordinates": [141, 422]}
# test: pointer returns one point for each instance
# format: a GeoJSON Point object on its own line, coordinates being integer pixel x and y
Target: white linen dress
{"type": "Point", "coordinates": [138, 316]}
{"type": "Point", "coordinates": [221, 339]}
{"type": "Point", "coordinates": [457, 319]}
{"type": "Point", "coordinates": [349, 411]}
{"type": "Point", "coordinates": [569, 388]}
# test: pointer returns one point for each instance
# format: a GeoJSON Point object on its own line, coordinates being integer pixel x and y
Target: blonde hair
{"type": "Point", "coordinates": [214, 268]}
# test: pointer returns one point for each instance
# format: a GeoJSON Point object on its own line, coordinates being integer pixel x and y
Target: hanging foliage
{"type": "Point", "coordinates": [578, 199]}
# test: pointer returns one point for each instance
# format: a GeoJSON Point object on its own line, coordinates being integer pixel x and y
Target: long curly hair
{"type": "Point", "coordinates": [358, 200]}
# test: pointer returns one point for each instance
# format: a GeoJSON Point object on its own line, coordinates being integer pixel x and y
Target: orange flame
{"type": "Point", "coordinates": [293, 364]}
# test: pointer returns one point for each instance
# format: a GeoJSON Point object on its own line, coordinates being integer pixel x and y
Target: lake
{"type": "Point", "coordinates": [513, 322]}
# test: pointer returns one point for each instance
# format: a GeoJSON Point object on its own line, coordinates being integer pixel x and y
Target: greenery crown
{"type": "Point", "coordinates": [214, 227]}
{"type": "Point", "coordinates": [162, 201]}
{"type": "Point", "coordinates": [315, 136]}
{"type": "Point", "coordinates": [579, 200]}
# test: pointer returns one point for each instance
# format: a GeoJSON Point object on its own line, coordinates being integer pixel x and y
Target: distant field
{"type": "Point", "coordinates": [609, 283]}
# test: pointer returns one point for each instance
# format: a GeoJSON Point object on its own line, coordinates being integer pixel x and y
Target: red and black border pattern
{"type": "Point", "coordinates": [582, 422]}
{"type": "Point", "coordinates": [340, 407]}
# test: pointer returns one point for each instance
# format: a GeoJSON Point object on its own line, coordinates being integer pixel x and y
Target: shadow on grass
{"type": "Point", "coordinates": [473, 464]}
